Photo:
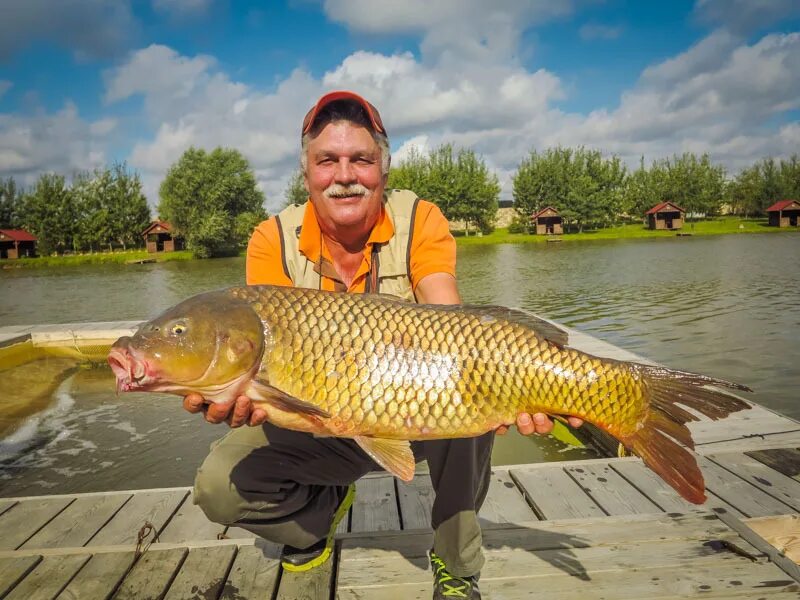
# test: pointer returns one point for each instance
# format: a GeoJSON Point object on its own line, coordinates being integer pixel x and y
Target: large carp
{"type": "Point", "coordinates": [384, 372]}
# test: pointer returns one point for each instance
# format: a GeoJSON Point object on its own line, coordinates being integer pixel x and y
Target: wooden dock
{"type": "Point", "coordinates": [603, 528]}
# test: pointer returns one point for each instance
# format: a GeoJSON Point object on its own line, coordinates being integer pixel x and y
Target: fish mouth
{"type": "Point", "coordinates": [131, 373]}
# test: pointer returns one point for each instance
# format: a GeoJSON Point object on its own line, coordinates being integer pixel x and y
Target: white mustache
{"type": "Point", "coordinates": [337, 190]}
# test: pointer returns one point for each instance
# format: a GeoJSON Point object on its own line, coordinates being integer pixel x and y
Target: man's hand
{"type": "Point", "coordinates": [539, 424]}
{"type": "Point", "coordinates": [235, 413]}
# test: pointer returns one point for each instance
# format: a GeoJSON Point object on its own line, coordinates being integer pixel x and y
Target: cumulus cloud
{"type": "Point", "coordinates": [90, 28]}
{"type": "Point", "coordinates": [182, 7]}
{"type": "Point", "coordinates": [470, 30]}
{"type": "Point", "coordinates": [62, 142]}
{"type": "Point", "coordinates": [596, 31]}
{"type": "Point", "coordinates": [743, 17]}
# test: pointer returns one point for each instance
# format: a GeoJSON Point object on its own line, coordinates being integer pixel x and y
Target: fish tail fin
{"type": "Point", "coordinates": [662, 438]}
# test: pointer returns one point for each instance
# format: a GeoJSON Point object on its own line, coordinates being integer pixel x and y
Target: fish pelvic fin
{"type": "Point", "coordinates": [260, 390]}
{"type": "Point", "coordinates": [393, 455]}
{"type": "Point", "coordinates": [663, 440]}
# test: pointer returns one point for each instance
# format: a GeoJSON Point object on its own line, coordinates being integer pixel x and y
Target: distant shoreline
{"type": "Point", "coordinates": [717, 226]}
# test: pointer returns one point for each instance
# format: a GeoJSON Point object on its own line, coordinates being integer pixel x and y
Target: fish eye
{"type": "Point", "coordinates": [178, 328]}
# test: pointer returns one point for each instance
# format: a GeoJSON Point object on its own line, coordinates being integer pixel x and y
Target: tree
{"type": "Point", "coordinates": [584, 187]}
{"type": "Point", "coordinates": [459, 183]}
{"type": "Point", "coordinates": [296, 192]}
{"type": "Point", "coordinates": [10, 198]}
{"type": "Point", "coordinates": [203, 193]}
{"type": "Point", "coordinates": [50, 213]}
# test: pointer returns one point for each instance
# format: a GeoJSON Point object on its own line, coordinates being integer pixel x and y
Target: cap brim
{"type": "Point", "coordinates": [372, 112]}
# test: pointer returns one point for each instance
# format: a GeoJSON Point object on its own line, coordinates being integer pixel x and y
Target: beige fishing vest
{"type": "Point", "coordinates": [392, 259]}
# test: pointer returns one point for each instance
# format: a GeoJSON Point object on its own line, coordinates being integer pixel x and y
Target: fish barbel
{"type": "Point", "coordinates": [384, 372]}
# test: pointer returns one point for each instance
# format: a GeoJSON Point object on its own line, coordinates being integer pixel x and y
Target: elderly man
{"type": "Point", "coordinates": [354, 236]}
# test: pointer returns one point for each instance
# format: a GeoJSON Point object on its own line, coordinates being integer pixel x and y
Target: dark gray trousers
{"type": "Point", "coordinates": [286, 485]}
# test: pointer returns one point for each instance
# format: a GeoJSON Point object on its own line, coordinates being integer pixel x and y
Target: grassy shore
{"type": "Point", "coordinates": [96, 258]}
{"type": "Point", "coordinates": [718, 226]}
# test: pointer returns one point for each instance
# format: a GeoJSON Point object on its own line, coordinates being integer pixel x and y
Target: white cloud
{"type": "Point", "coordinates": [181, 7]}
{"type": "Point", "coordinates": [596, 31]}
{"type": "Point", "coordinates": [745, 16]}
{"type": "Point", "coordinates": [5, 85]}
{"type": "Point", "coordinates": [62, 142]}
{"type": "Point", "coordinates": [90, 28]}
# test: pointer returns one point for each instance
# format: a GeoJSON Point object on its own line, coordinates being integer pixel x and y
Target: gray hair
{"type": "Point", "coordinates": [380, 139]}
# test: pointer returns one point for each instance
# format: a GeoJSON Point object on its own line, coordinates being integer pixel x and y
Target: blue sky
{"type": "Point", "coordinates": [91, 82]}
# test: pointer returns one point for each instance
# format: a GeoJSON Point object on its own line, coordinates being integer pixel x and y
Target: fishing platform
{"type": "Point", "coordinates": [603, 528]}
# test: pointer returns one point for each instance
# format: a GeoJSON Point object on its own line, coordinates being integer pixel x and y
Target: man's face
{"type": "Point", "coordinates": [344, 177]}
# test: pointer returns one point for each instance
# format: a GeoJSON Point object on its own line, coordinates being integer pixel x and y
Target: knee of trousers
{"type": "Point", "coordinates": [215, 493]}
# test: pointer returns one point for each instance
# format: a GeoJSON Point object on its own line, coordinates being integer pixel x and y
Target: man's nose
{"type": "Point", "coordinates": [344, 172]}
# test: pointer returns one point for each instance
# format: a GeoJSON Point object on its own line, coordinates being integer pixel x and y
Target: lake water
{"type": "Point", "coordinates": [725, 306]}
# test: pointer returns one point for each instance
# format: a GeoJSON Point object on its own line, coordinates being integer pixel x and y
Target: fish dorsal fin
{"type": "Point", "coordinates": [490, 313]}
{"type": "Point", "coordinates": [393, 455]}
{"type": "Point", "coordinates": [260, 390]}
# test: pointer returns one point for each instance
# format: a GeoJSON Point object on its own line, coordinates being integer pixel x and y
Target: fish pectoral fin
{"type": "Point", "coordinates": [259, 390]}
{"type": "Point", "coordinates": [393, 455]}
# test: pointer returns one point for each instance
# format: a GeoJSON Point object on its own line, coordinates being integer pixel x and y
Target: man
{"type": "Point", "coordinates": [351, 236]}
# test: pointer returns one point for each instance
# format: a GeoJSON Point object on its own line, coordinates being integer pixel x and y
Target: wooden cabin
{"type": "Point", "coordinates": [665, 215]}
{"type": "Point", "coordinates": [547, 222]}
{"type": "Point", "coordinates": [15, 243]}
{"type": "Point", "coordinates": [160, 238]}
{"type": "Point", "coordinates": [785, 213]}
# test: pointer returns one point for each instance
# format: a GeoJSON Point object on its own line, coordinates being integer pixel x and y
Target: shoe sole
{"type": "Point", "coordinates": [344, 506]}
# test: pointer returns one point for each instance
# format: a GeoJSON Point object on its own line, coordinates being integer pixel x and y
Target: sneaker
{"type": "Point", "coordinates": [305, 559]}
{"type": "Point", "coordinates": [446, 585]}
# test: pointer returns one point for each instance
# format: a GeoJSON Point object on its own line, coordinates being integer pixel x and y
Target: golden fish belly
{"type": "Point", "coordinates": [395, 370]}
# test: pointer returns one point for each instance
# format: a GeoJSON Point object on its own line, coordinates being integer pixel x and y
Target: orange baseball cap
{"type": "Point", "coordinates": [372, 112]}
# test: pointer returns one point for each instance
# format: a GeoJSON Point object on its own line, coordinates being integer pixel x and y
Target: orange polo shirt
{"type": "Point", "coordinates": [433, 249]}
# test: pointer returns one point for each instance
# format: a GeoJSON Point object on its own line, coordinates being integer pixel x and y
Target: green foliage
{"type": "Point", "coordinates": [296, 193]}
{"type": "Point", "coordinates": [9, 204]}
{"type": "Point", "coordinates": [585, 188]}
{"type": "Point", "coordinates": [756, 188]}
{"type": "Point", "coordinates": [202, 195]}
{"type": "Point", "coordinates": [51, 214]}
{"type": "Point", "coordinates": [244, 224]}
{"type": "Point", "coordinates": [459, 183]}
{"type": "Point", "coordinates": [112, 209]}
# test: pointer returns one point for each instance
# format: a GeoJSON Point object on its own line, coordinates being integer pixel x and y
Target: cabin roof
{"type": "Point", "coordinates": [19, 235]}
{"type": "Point", "coordinates": [783, 205]}
{"type": "Point", "coordinates": [157, 223]}
{"type": "Point", "coordinates": [663, 205]}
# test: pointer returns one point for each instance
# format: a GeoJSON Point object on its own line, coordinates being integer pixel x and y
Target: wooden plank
{"type": "Point", "coordinates": [555, 495]}
{"type": "Point", "coordinates": [714, 579]}
{"type": "Point", "coordinates": [202, 574]}
{"type": "Point", "coordinates": [310, 585]}
{"type": "Point", "coordinates": [26, 518]}
{"type": "Point", "coordinates": [13, 570]}
{"type": "Point", "coordinates": [98, 579]}
{"type": "Point", "coordinates": [580, 563]}
{"type": "Point", "coordinates": [611, 492]}
{"type": "Point", "coordinates": [152, 575]}
{"type": "Point", "coordinates": [751, 444]}
{"type": "Point", "coordinates": [783, 460]}
{"type": "Point", "coordinates": [416, 502]}
{"type": "Point", "coordinates": [783, 532]}
{"type": "Point", "coordinates": [375, 506]}
{"type": "Point", "coordinates": [777, 485]}
{"type": "Point", "coordinates": [253, 575]}
{"type": "Point", "coordinates": [652, 486]}
{"type": "Point", "coordinates": [739, 493]}
{"type": "Point", "coordinates": [49, 577]}
{"type": "Point", "coordinates": [551, 535]}
{"type": "Point", "coordinates": [153, 507]}
{"type": "Point", "coordinates": [77, 523]}
{"type": "Point", "coordinates": [505, 503]}
{"type": "Point", "coordinates": [6, 504]}
{"type": "Point", "coordinates": [190, 523]}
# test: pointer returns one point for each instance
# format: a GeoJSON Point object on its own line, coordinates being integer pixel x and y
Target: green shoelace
{"type": "Point", "coordinates": [451, 590]}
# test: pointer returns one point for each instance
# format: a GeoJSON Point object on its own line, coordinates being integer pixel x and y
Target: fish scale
{"type": "Point", "coordinates": [384, 372]}
{"type": "Point", "coordinates": [397, 370]}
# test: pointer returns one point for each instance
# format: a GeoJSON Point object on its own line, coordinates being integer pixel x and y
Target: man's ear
{"type": "Point", "coordinates": [305, 182]}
